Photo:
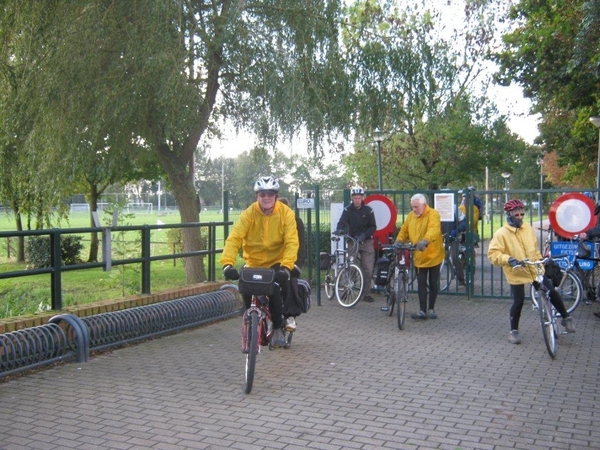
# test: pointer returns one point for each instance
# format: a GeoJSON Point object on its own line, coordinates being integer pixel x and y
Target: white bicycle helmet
{"type": "Point", "coordinates": [357, 190]}
{"type": "Point", "coordinates": [266, 184]}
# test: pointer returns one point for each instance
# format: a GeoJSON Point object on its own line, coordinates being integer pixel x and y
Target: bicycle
{"type": "Point", "coordinates": [586, 277]}
{"type": "Point", "coordinates": [548, 314]}
{"type": "Point", "coordinates": [398, 279]}
{"type": "Point", "coordinates": [344, 278]}
{"type": "Point", "coordinates": [453, 264]}
{"type": "Point", "coordinates": [257, 325]}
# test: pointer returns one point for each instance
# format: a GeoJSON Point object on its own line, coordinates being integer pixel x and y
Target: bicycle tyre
{"type": "Point", "coordinates": [329, 284]}
{"type": "Point", "coordinates": [570, 290]}
{"type": "Point", "coordinates": [447, 274]}
{"type": "Point", "coordinates": [401, 298]}
{"type": "Point", "coordinates": [547, 319]}
{"type": "Point", "coordinates": [349, 285]}
{"type": "Point", "coordinates": [252, 350]}
{"type": "Point", "coordinates": [391, 291]}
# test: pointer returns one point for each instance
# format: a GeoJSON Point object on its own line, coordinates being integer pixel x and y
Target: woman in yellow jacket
{"type": "Point", "coordinates": [512, 243]}
{"type": "Point", "coordinates": [268, 236]}
{"type": "Point", "coordinates": [423, 229]}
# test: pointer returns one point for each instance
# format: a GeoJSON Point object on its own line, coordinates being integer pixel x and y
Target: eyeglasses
{"type": "Point", "coordinates": [267, 194]}
{"type": "Point", "coordinates": [518, 214]}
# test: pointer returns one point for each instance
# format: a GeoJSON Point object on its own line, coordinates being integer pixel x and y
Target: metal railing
{"type": "Point", "coordinates": [57, 268]}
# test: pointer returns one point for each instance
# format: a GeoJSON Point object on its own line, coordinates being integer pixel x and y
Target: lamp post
{"type": "Point", "coordinates": [506, 177]}
{"type": "Point", "coordinates": [596, 121]}
{"type": "Point", "coordinates": [378, 136]}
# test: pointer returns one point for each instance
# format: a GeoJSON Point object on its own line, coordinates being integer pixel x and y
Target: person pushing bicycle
{"type": "Point", "coordinates": [267, 233]}
{"type": "Point", "coordinates": [359, 220]}
{"type": "Point", "coordinates": [511, 244]}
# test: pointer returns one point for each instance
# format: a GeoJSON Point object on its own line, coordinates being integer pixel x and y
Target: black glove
{"type": "Point", "coordinates": [362, 237]}
{"type": "Point", "coordinates": [422, 245]}
{"type": "Point", "coordinates": [296, 272]}
{"type": "Point", "coordinates": [230, 273]}
{"type": "Point", "coordinates": [512, 262]}
{"type": "Point", "coordinates": [337, 233]}
{"type": "Point", "coordinates": [282, 276]}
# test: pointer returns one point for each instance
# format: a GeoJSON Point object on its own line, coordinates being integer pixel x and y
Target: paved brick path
{"type": "Point", "coordinates": [351, 380]}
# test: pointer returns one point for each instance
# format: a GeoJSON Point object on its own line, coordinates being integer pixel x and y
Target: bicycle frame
{"type": "Point", "coordinates": [398, 279]}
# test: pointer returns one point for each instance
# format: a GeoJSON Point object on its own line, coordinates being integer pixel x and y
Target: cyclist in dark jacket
{"type": "Point", "coordinates": [359, 220]}
{"type": "Point", "coordinates": [594, 233]}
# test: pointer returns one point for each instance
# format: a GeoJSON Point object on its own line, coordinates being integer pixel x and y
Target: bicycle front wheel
{"type": "Point", "coordinates": [391, 291]}
{"type": "Point", "coordinates": [547, 320]}
{"type": "Point", "coordinates": [401, 298]}
{"type": "Point", "coordinates": [252, 330]}
{"type": "Point", "coordinates": [349, 286]}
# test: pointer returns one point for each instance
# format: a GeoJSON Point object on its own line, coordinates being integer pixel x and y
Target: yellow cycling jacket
{"type": "Point", "coordinates": [520, 243]}
{"type": "Point", "coordinates": [265, 240]}
{"type": "Point", "coordinates": [427, 226]}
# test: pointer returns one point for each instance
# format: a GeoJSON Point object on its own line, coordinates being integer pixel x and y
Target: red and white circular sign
{"type": "Point", "coordinates": [572, 214]}
{"type": "Point", "coordinates": [385, 216]}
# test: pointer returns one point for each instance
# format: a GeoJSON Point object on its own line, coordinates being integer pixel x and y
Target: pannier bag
{"type": "Point", "coordinates": [382, 267]}
{"type": "Point", "coordinates": [256, 281]}
{"type": "Point", "coordinates": [297, 297]}
{"type": "Point", "coordinates": [552, 271]}
{"type": "Point", "coordinates": [324, 261]}
{"type": "Point", "coordinates": [583, 251]}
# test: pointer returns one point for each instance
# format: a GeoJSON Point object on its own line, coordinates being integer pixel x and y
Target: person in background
{"type": "Point", "coordinates": [422, 228]}
{"type": "Point", "coordinates": [359, 220]}
{"type": "Point", "coordinates": [267, 233]}
{"type": "Point", "coordinates": [476, 215]}
{"type": "Point", "coordinates": [300, 260]}
{"type": "Point", "coordinates": [594, 234]}
{"type": "Point", "coordinates": [511, 244]}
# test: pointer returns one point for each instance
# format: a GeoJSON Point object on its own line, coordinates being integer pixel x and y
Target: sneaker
{"type": "Point", "coordinates": [420, 315]}
{"type": "Point", "coordinates": [368, 299]}
{"type": "Point", "coordinates": [431, 314]}
{"type": "Point", "coordinates": [278, 340]}
{"type": "Point", "coordinates": [568, 324]}
{"type": "Point", "coordinates": [514, 337]}
{"type": "Point", "coordinates": [290, 324]}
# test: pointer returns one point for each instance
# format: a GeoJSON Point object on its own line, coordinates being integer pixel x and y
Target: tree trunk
{"type": "Point", "coordinates": [182, 185]}
{"type": "Point", "coordinates": [93, 199]}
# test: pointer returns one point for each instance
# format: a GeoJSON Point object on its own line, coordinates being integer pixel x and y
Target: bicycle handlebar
{"type": "Point", "coordinates": [398, 246]}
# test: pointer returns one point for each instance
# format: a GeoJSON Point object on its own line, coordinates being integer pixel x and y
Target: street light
{"type": "Point", "coordinates": [596, 121]}
{"type": "Point", "coordinates": [506, 177]}
{"type": "Point", "coordinates": [379, 136]}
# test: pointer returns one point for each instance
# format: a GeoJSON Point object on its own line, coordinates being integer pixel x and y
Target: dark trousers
{"type": "Point", "coordinates": [427, 282]}
{"type": "Point", "coordinates": [518, 293]}
{"type": "Point", "coordinates": [275, 306]}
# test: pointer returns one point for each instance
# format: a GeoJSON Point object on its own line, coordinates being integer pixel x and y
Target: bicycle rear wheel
{"type": "Point", "coordinates": [349, 286]}
{"type": "Point", "coordinates": [447, 274]}
{"type": "Point", "coordinates": [252, 330]}
{"type": "Point", "coordinates": [547, 320]}
{"type": "Point", "coordinates": [329, 284]}
{"type": "Point", "coordinates": [570, 290]}
{"type": "Point", "coordinates": [401, 297]}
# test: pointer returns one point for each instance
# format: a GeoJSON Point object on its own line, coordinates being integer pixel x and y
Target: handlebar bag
{"type": "Point", "coordinates": [256, 281]}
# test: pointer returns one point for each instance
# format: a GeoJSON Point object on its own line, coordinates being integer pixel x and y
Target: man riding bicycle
{"type": "Point", "coordinates": [267, 233]}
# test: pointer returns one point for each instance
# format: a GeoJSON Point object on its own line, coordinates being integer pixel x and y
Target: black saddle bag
{"type": "Point", "coordinates": [256, 281]}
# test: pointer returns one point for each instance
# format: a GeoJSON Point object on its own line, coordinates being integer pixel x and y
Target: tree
{"type": "Point", "coordinates": [161, 75]}
{"type": "Point", "coordinates": [425, 85]}
{"type": "Point", "coordinates": [553, 53]}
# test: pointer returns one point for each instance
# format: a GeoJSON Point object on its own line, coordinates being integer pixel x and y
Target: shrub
{"type": "Point", "coordinates": [38, 251]}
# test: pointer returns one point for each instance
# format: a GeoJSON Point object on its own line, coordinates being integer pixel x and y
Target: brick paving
{"type": "Point", "coordinates": [351, 380]}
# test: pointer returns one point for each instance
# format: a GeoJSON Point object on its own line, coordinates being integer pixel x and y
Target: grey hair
{"type": "Point", "coordinates": [420, 197]}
